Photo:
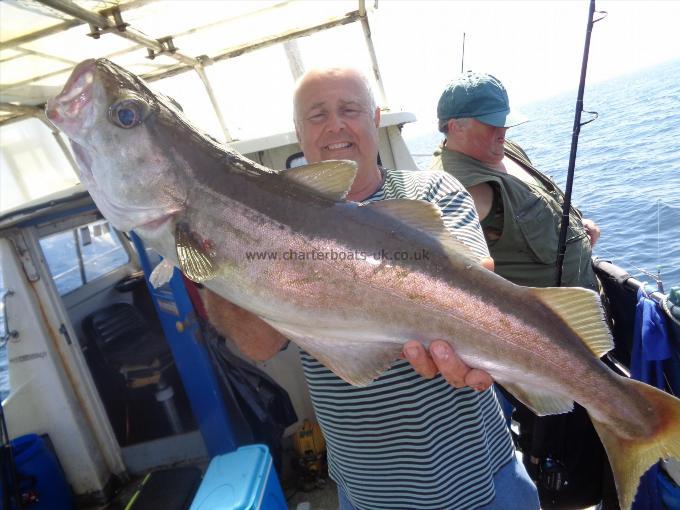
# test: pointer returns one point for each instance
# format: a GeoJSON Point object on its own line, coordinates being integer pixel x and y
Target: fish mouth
{"type": "Point", "coordinates": [66, 109]}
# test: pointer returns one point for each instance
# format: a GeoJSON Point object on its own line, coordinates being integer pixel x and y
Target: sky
{"type": "Point", "coordinates": [534, 47]}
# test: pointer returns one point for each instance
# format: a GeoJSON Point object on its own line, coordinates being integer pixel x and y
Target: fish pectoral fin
{"type": "Point", "coordinates": [357, 363]}
{"type": "Point", "coordinates": [582, 311]}
{"type": "Point", "coordinates": [541, 403]}
{"type": "Point", "coordinates": [425, 217]}
{"type": "Point", "coordinates": [331, 179]}
{"type": "Point", "coordinates": [196, 261]}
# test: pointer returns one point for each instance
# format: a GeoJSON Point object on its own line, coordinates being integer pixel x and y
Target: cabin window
{"type": "Point", "coordinates": [82, 254]}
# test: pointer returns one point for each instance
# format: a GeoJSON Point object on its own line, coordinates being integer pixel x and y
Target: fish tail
{"type": "Point", "coordinates": [630, 458]}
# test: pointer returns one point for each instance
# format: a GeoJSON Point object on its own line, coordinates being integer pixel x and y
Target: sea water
{"type": "Point", "coordinates": [627, 174]}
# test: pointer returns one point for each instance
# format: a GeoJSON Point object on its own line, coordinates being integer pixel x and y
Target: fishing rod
{"type": "Point", "coordinates": [562, 244]}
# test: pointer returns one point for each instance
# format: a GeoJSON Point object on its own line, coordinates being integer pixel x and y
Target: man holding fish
{"type": "Point", "coordinates": [403, 441]}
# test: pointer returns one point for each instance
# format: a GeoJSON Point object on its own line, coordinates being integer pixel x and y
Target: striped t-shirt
{"type": "Point", "coordinates": [405, 442]}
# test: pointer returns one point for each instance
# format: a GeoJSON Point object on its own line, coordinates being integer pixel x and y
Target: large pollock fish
{"type": "Point", "coordinates": [210, 211]}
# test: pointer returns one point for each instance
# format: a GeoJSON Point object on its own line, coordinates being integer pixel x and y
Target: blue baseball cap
{"type": "Point", "coordinates": [479, 96]}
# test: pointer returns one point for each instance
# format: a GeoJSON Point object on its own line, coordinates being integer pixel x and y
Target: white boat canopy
{"type": "Point", "coordinates": [187, 49]}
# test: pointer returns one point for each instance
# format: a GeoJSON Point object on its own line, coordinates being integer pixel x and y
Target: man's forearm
{"type": "Point", "coordinates": [252, 336]}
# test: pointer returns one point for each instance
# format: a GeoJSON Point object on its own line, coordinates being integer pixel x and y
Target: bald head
{"type": "Point", "coordinates": [336, 118]}
{"type": "Point", "coordinates": [320, 76]}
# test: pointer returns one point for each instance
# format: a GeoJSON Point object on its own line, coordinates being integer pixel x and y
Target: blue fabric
{"type": "Point", "coordinates": [670, 493]}
{"type": "Point", "coordinates": [506, 406]}
{"type": "Point", "coordinates": [343, 501]}
{"type": "Point", "coordinates": [514, 489]}
{"type": "Point", "coordinates": [651, 346]}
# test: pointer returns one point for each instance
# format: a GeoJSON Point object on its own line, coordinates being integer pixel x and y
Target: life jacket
{"type": "Point", "coordinates": [526, 252]}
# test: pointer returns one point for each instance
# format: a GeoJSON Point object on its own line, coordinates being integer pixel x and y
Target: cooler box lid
{"type": "Point", "coordinates": [235, 481]}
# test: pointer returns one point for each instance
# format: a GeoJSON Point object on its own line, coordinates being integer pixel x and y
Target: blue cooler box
{"type": "Point", "coordinates": [39, 474]}
{"type": "Point", "coordinates": [241, 480]}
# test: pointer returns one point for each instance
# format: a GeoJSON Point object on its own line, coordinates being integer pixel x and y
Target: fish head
{"type": "Point", "coordinates": [123, 138]}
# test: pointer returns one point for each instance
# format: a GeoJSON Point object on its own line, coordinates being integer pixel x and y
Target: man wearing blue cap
{"type": "Point", "coordinates": [520, 211]}
{"type": "Point", "coordinates": [519, 207]}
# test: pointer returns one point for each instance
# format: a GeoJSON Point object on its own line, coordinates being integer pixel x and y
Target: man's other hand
{"type": "Point", "coordinates": [592, 230]}
{"type": "Point", "coordinates": [441, 358]}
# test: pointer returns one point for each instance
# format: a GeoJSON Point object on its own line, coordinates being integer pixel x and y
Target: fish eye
{"type": "Point", "coordinates": [127, 116]}
{"type": "Point", "coordinates": [128, 113]}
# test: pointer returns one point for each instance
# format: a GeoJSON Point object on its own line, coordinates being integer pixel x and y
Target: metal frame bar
{"type": "Point", "coordinates": [28, 52]}
{"type": "Point", "coordinates": [67, 69]}
{"type": "Point", "coordinates": [350, 17]}
{"type": "Point", "coordinates": [62, 27]}
{"type": "Point", "coordinates": [371, 52]}
{"type": "Point", "coordinates": [93, 18]}
{"type": "Point", "coordinates": [295, 63]}
{"type": "Point", "coordinates": [346, 19]}
{"type": "Point", "coordinates": [157, 46]}
{"type": "Point", "coordinates": [66, 26]}
{"type": "Point", "coordinates": [25, 110]}
{"type": "Point", "coordinates": [200, 70]}
{"type": "Point", "coordinates": [62, 145]}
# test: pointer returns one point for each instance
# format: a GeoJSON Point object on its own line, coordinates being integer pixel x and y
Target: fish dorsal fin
{"type": "Point", "coordinates": [425, 217]}
{"type": "Point", "coordinates": [331, 179]}
{"type": "Point", "coordinates": [582, 312]}
{"type": "Point", "coordinates": [196, 260]}
{"type": "Point", "coordinates": [540, 402]}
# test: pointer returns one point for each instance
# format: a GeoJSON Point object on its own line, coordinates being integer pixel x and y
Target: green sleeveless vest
{"type": "Point", "coordinates": [526, 251]}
